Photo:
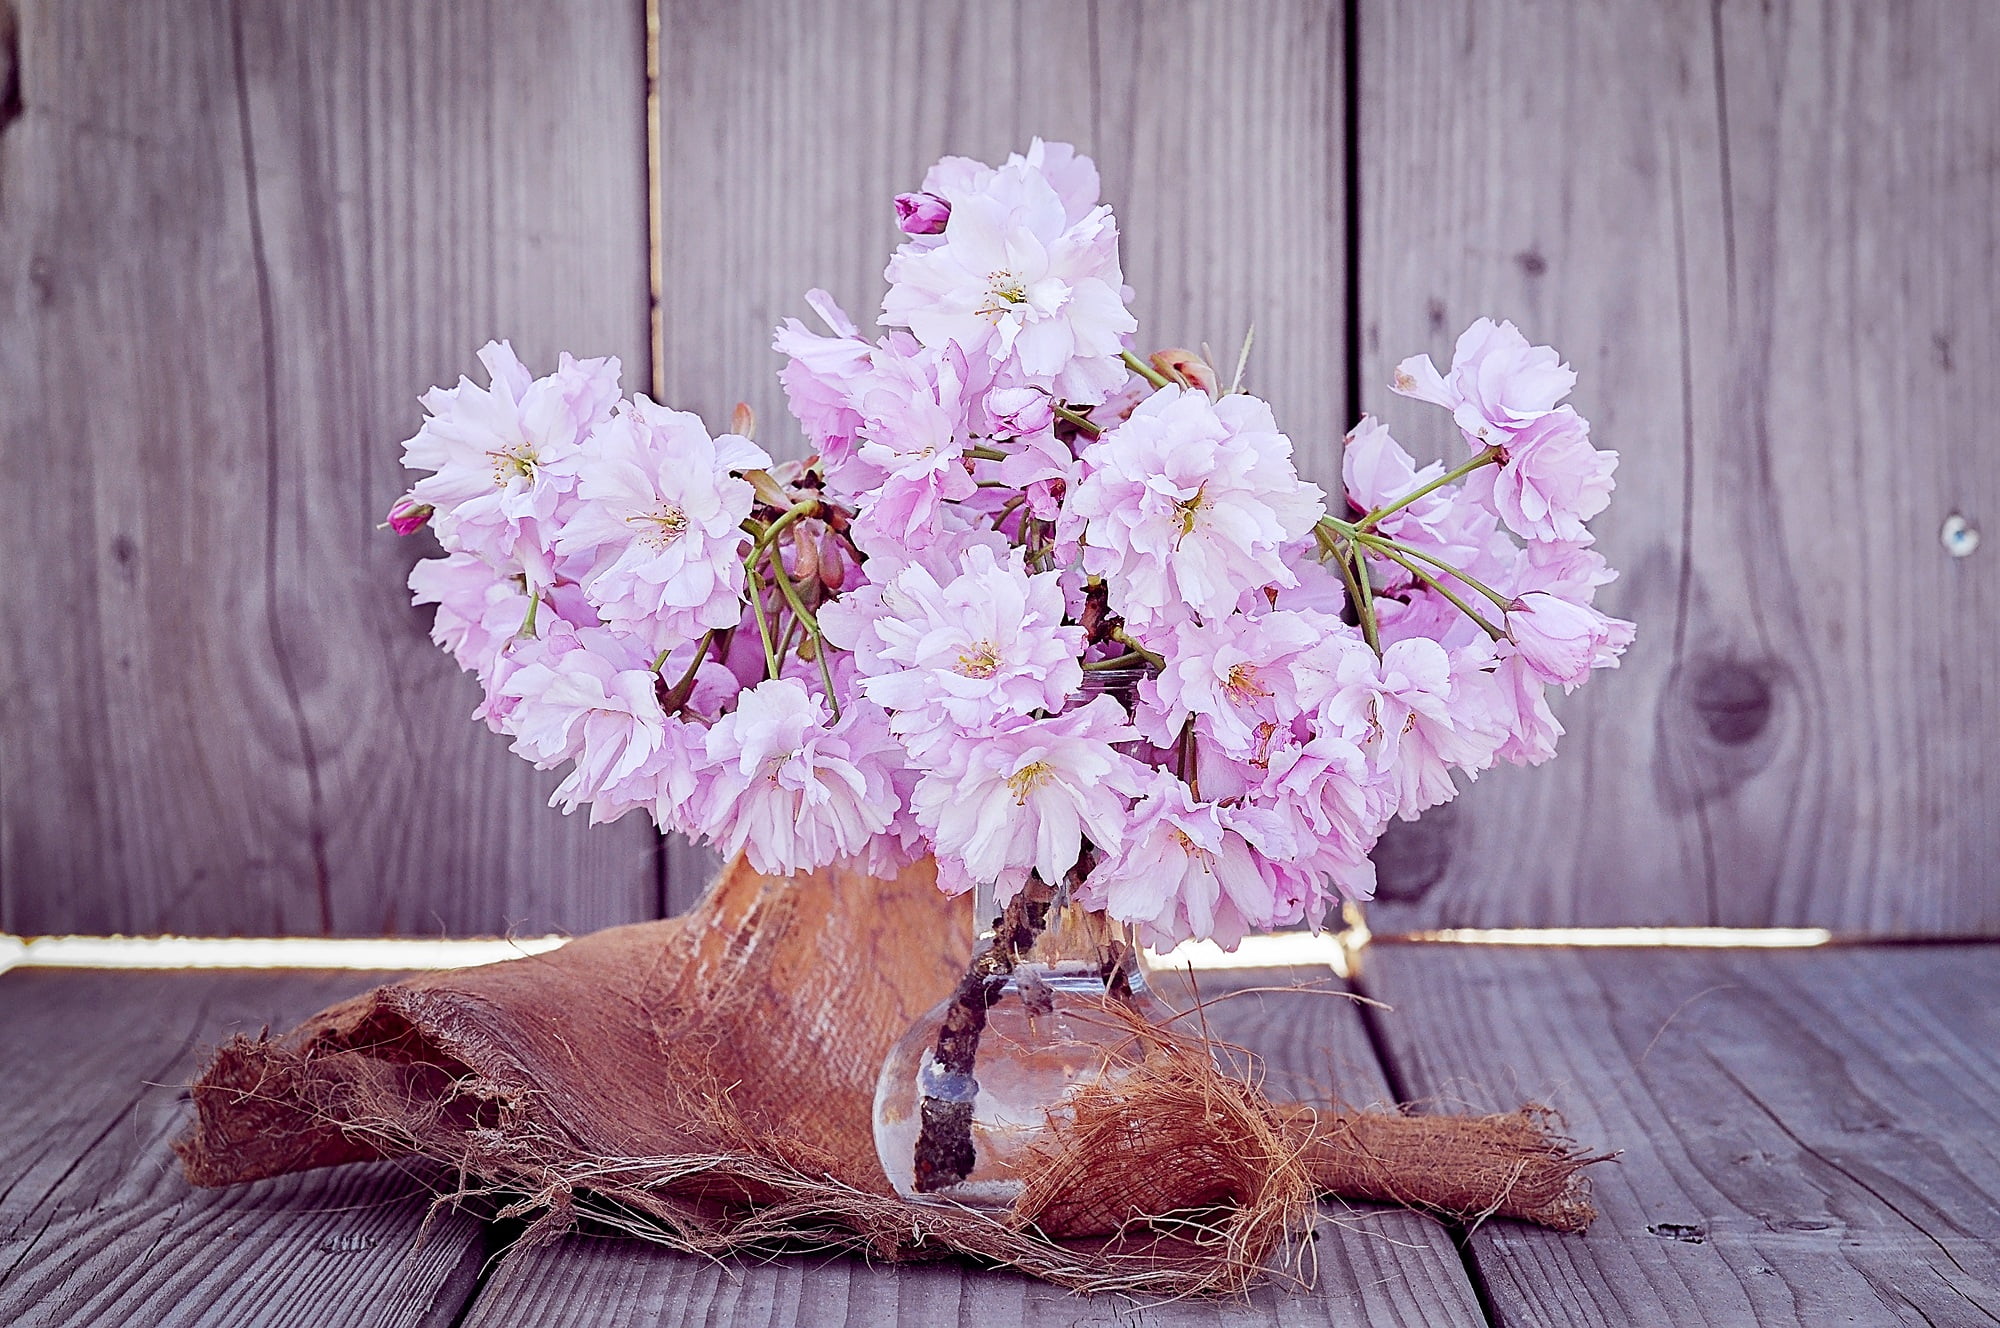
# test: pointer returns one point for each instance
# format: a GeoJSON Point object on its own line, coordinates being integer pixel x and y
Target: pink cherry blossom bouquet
{"type": "Point", "coordinates": [1035, 604]}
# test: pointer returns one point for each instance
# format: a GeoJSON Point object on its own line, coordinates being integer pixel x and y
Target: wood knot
{"type": "Point", "coordinates": [1733, 701]}
{"type": "Point", "coordinates": [1717, 727]}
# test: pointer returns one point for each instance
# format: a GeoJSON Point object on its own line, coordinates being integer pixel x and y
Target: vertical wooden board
{"type": "Point", "coordinates": [236, 242]}
{"type": "Point", "coordinates": [1764, 236]}
{"type": "Point", "coordinates": [789, 126]}
{"type": "Point", "coordinates": [1371, 1264]}
{"type": "Point", "coordinates": [1804, 1137]}
{"type": "Point", "coordinates": [96, 1224]}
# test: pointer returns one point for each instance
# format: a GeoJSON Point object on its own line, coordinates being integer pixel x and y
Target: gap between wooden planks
{"type": "Point", "coordinates": [1337, 950]}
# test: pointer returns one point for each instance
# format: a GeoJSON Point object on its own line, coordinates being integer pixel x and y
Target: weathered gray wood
{"type": "Point", "coordinates": [790, 125]}
{"type": "Point", "coordinates": [96, 1224]}
{"type": "Point", "coordinates": [1807, 1137]}
{"type": "Point", "coordinates": [235, 243]}
{"type": "Point", "coordinates": [1374, 1265]}
{"type": "Point", "coordinates": [1763, 235]}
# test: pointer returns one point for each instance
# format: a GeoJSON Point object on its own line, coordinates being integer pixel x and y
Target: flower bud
{"type": "Point", "coordinates": [743, 420]}
{"type": "Point", "coordinates": [1559, 639]}
{"type": "Point", "coordinates": [408, 516]}
{"type": "Point", "coordinates": [1020, 411]}
{"type": "Point", "coordinates": [921, 214]}
{"type": "Point", "coordinates": [805, 552]}
{"type": "Point", "coordinates": [1187, 367]}
{"type": "Point", "coordinates": [832, 565]}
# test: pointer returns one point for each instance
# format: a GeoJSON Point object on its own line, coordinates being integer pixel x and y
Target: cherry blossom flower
{"type": "Point", "coordinates": [504, 457]}
{"type": "Point", "coordinates": [1551, 480]}
{"type": "Point", "coordinates": [912, 440]}
{"type": "Point", "coordinates": [1189, 869]}
{"type": "Point", "coordinates": [1563, 641]}
{"type": "Point", "coordinates": [1242, 674]}
{"type": "Point", "coordinates": [1399, 710]}
{"type": "Point", "coordinates": [589, 697]}
{"type": "Point", "coordinates": [1022, 795]}
{"type": "Point", "coordinates": [656, 520]}
{"type": "Point", "coordinates": [1072, 175]}
{"type": "Point", "coordinates": [921, 213]}
{"type": "Point", "coordinates": [1018, 279]}
{"type": "Point", "coordinates": [1497, 385]}
{"type": "Point", "coordinates": [823, 375]}
{"type": "Point", "coordinates": [407, 516]}
{"type": "Point", "coordinates": [1186, 505]}
{"type": "Point", "coordinates": [791, 788]}
{"type": "Point", "coordinates": [1520, 700]}
{"type": "Point", "coordinates": [986, 644]}
{"type": "Point", "coordinates": [479, 609]}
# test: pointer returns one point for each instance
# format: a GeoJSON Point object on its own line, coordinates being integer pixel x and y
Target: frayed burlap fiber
{"type": "Point", "coordinates": [707, 1082]}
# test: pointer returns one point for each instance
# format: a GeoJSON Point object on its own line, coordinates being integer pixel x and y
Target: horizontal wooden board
{"type": "Point", "coordinates": [96, 1224]}
{"type": "Point", "coordinates": [1763, 233]}
{"type": "Point", "coordinates": [1805, 1137]}
{"type": "Point", "coordinates": [236, 242]}
{"type": "Point", "coordinates": [1372, 1264]}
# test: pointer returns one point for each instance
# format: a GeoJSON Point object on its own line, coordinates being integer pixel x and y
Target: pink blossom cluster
{"type": "Point", "coordinates": [1035, 606]}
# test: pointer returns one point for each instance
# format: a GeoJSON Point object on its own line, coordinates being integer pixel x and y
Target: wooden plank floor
{"type": "Point", "coordinates": [96, 1224]}
{"type": "Point", "coordinates": [1807, 1137]}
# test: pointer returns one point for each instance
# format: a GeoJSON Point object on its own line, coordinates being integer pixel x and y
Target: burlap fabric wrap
{"type": "Point", "coordinates": [707, 1082]}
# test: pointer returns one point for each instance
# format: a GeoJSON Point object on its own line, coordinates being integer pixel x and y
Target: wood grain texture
{"type": "Point", "coordinates": [789, 126]}
{"type": "Point", "coordinates": [1764, 234]}
{"type": "Point", "coordinates": [1373, 1265]}
{"type": "Point", "coordinates": [236, 242]}
{"type": "Point", "coordinates": [1807, 1136]}
{"type": "Point", "coordinates": [96, 1224]}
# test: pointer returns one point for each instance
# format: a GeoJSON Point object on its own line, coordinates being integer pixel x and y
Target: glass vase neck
{"type": "Point", "coordinates": [1076, 940]}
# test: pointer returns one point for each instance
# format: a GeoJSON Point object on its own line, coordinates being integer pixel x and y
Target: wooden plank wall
{"type": "Point", "coordinates": [235, 242]}
{"type": "Point", "coordinates": [1765, 235]}
{"type": "Point", "coordinates": [787, 132]}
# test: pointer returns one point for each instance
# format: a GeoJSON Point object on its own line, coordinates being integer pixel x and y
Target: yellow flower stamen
{"type": "Point", "coordinates": [1029, 778]}
{"type": "Point", "coordinates": [667, 525]}
{"type": "Point", "coordinates": [979, 660]}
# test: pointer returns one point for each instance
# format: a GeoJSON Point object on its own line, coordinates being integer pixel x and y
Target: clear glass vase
{"type": "Point", "coordinates": [978, 1080]}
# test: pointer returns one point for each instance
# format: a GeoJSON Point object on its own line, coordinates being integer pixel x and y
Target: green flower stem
{"type": "Point", "coordinates": [1131, 659]}
{"type": "Point", "coordinates": [1190, 771]}
{"type": "Point", "coordinates": [763, 623]}
{"type": "Point", "coordinates": [1355, 577]}
{"type": "Point", "coordinates": [677, 695]}
{"type": "Point", "coordinates": [1382, 544]}
{"type": "Point", "coordinates": [528, 622]}
{"type": "Point", "coordinates": [803, 617]}
{"type": "Point", "coordinates": [1490, 457]}
{"type": "Point", "coordinates": [1394, 555]}
{"type": "Point", "coordinates": [1143, 369]}
{"type": "Point", "coordinates": [767, 535]}
{"type": "Point", "coordinates": [826, 675]}
{"type": "Point", "coordinates": [981, 452]}
{"type": "Point", "coordinates": [1081, 421]}
{"type": "Point", "coordinates": [791, 594]}
{"type": "Point", "coordinates": [1156, 660]}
